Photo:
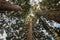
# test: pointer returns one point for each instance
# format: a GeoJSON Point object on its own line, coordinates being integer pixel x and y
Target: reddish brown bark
{"type": "Point", "coordinates": [30, 37]}
{"type": "Point", "coordinates": [6, 6]}
{"type": "Point", "coordinates": [53, 15]}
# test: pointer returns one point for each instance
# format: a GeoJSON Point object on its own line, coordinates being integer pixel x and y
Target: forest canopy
{"type": "Point", "coordinates": [30, 19]}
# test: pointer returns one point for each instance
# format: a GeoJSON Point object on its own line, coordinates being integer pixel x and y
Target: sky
{"type": "Point", "coordinates": [33, 2]}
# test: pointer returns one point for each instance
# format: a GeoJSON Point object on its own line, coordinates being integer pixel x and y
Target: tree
{"type": "Point", "coordinates": [27, 24]}
{"type": "Point", "coordinates": [7, 6]}
{"type": "Point", "coordinates": [50, 9]}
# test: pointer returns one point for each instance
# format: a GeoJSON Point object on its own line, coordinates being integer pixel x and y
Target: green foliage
{"type": "Point", "coordinates": [50, 4]}
{"type": "Point", "coordinates": [24, 5]}
{"type": "Point", "coordinates": [21, 23]}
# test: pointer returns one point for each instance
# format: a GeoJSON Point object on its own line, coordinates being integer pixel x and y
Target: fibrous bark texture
{"type": "Point", "coordinates": [53, 15]}
{"type": "Point", "coordinates": [7, 6]}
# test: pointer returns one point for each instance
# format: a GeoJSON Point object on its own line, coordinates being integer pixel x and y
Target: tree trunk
{"type": "Point", "coordinates": [30, 37]}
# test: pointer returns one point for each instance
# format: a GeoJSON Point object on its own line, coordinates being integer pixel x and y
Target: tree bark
{"type": "Point", "coordinates": [51, 14]}
{"type": "Point", "coordinates": [30, 37]}
{"type": "Point", "coordinates": [7, 6]}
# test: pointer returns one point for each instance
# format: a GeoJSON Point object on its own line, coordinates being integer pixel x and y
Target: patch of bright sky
{"type": "Point", "coordinates": [33, 2]}
{"type": "Point", "coordinates": [52, 24]}
{"type": "Point", "coordinates": [31, 13]}
{"type": "Point", "coordinates": [59, 1]}
{"type": "Point", "coordinates": [52, 38]}
{"type": "Point", "coordinates": [57, 25]}
{"type": "Point", "coordinates": [7, 0]}
{"type": "Point", "coordinates": [13, 22]}
{"type": "Point", "coordinates": [47, 34]}
{"type": "Point", "coordinates": [37, 21]}
{"type": "Point", "coordinates": [3, 36]}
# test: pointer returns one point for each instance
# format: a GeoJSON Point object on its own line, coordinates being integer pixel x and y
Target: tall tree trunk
{"type": "Point", "coordinates": [30, 37]}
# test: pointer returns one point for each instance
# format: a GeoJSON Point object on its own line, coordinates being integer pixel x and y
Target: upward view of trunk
{"type": "Point", "coordinates": [6, 6]}
{"type": "Point", "coordinates": [30, 31]}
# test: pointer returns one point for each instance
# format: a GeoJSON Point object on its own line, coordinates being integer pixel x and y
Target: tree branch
{"type": "Point", "coordinates": [6, 6]}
